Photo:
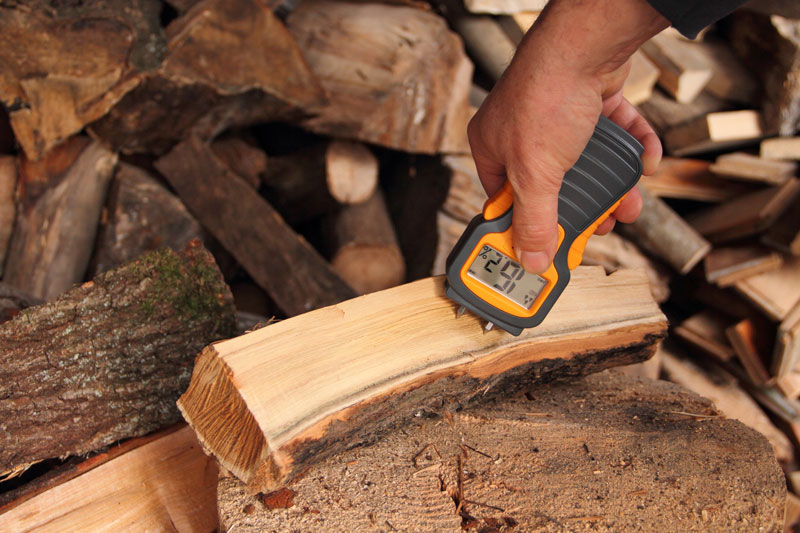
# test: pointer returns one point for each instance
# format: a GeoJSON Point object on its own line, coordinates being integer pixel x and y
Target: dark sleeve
{"type": "Point", "coordinates": [691, 16]}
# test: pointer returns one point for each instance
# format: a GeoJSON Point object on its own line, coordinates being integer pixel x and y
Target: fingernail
{"type": "Point", "coordinates": [535, 262]}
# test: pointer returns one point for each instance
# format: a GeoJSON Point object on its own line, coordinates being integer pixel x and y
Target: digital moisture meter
{"type": "Point", "coordinates": [483, 274]}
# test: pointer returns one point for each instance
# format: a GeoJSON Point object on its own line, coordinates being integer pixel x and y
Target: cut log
{"type": "Point", "coordinates": [714, 131]}
{"type": "Point", "coordinates": [489, 46]}
{"type": "Point", "coordinates": [613, 252]}
{"type": "Point", "coordinates": [733, 402]}
{"type": "Point", "coordinates": [448, 231]}
{"type": "Point", "coordinates": [664, 113]}
{"type": "Point", "coordinates": [690, 179]}
{"type": "Point", "coordinates": [159, 483]}
{"type": "Point", "coordinates": [784, 234]}
{"type": "Point", "coordinates": [682, 73]}
{"type": "Point", "coordinates": [746, 215]}
{"type": "Point", "coordinates": [141, 215]}
{"type": "Point", "coordinates": [366, 254]}
{"type": "Point", "coordinates": [641, 79]}
{"type": "Point", "coordinates": [726, 266]}
{"type": "Point", "coordinates": [781, 148]}
{"type": "Point", "coordinates": [775, 292]}
{"type": "Point", "coordinates": [206, 84]}
{"type": "Point", "coordinates": [747, 167]}
{"type": "Point", "coordinates": [244, 159]}
{"type": "Point", "coordinates": [394, 75]}
{"type": "Point", "coordinates": [730, 80]}
{"type": "Point", "coordinates": [278, 259]}
{"type": "Point", "coordinates": [750, 341]}
{"type": "Point", "coordinates": [65, 66]}
{"type": "Point", "coordinates": [465, 196]}
{"type": "Point", "coordinates": [662, 232]}
{"type": "Point", "coordinates": [770, 47]}
{"type": "Point", "coordinates": [504, 7]}
{"type": "Point", "coordinates": [107, 360]}
{"type": "Point", "coordinates": [705, 331]}
{"type": "Point", "coordinates": [351, 172]}
{"type": "Point", "coordinates": [303, 389]}
{"type": "Point", "coordinates": [606, 452]}
{"type": "Point", "coordinates": [8, 207]}
{"type": "Point", "coordinates": [53, 239]}
{"type": "Point", "coordinates": [787, 345]}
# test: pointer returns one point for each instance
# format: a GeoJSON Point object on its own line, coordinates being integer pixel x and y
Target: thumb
{"type": "Point", "coordinates": [535, 221]}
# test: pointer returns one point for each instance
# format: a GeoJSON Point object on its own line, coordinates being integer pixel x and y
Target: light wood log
{"type": "Point", "coordinates": [605, 452]}
{"type": "Point", "coordinates": [366, 254]}
{"type": "Point", "coordinates": [641, 79]}
{"type": "Point", "coordinates": [363, 366]}
{"type": "Point", "coordinates": [714, 131]}
{"type": "Point", "coordinates": [503, 7]}
{"type": "Point", "coordinates": [706, 331]}
{"type": "Point", "coordinates": [8, 207]}
{"type": "Point", "coordinates": [107, 360]}
{"type": "Point", "coordinates": [732, 401]}
{"type": "Point", "coordinates": [784, 234]}
{"type": "Point", "coordinates": [662, 232]}
{"type": "Point", "coordinates": [141, 215]}
{"type": "Point", "coordinates": [726, 266]}
{"type": "Point", "coordinates": [775, 292]}
{"type": "Point", "coordinates": [746, 215]}
{"type": "Point", "coordinates": [53, 239]}
{"type": "Point", "coordinates": [159, 483]}
{"type": "Point", "coordinates": [448, 231]}
{"type": "Point", "coordinates": [394, 75]}
{"type": "Point", "coordinates": [789, 385]}
{"type": "Point", "coordinates": [780, 148]}
{"type": "Point", "coordinates": [690, 179]}
{"type": "Point", "coordinates": [65, 66]}
{"type": "Point", "coordinates": [206, 84]}
{"type": "Point", "coordinates": [664, 113]}
{"type": "Point", "coordinates": [770, 47]}
{"type": "Point", "coordinates": [750, 342]}
{"type": "Point", "coordinates": [748, 167]}
{"type": "Point", "coordinates": [465, 196]}
{"type": "Point", "coordinates": [682, 73]}
{"type": "Point", "coordinates": [786, 356]}
{"type": "Point", "coordinates": [244, 159]}
{"type": "Point", "coordinates": [488, 45]}
{"type": "Point", "coordinates": [276, 257]}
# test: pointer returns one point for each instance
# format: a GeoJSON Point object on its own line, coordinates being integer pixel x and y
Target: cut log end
{"type": "Point", "coordinates": [369, 268]}
{"type": "Point", "coordinates": [351, 172]}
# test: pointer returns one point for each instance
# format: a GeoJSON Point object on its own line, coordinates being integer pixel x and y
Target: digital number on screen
{"type": "Point", "coordinates": [507, 277]}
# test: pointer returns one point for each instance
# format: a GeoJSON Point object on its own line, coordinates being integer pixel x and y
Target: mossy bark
{"type": "Point", "coordinates": [108, 359]}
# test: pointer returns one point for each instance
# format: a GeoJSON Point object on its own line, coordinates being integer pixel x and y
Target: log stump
{"type": "Point", "coordinates": [606, 452]}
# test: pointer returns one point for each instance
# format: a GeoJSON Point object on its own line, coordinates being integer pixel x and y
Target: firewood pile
{"type": "Point", "coordinates": [175, 173]}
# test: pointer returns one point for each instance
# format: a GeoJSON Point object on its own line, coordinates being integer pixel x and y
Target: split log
{"type": "Point", "coordinates": [775, 292]}
{"type": "Point", "coordinates": [141, 215]}
{"type": "Point", "coordinates": [662, 232]}
{"type": "Point", "coordinates": [682, 73]}
{"type": "Point", "coordinates": [277, 258]}
{"type": "Point", "coordinates": [726, 266]}
{"type": "Point", "coordinates": [746, 215]}
{"type": "Point", "coordinates": [787, 345]}
{"type": "Point", "coordinates": [490, 47]}
{"type": "Point", "coordinates": [780, 148]}
{"type": "Point", "coordinates": [53, 238]}
{"type": "Point", "coordinates": [366, 254]}
{"type": "Point", "coordinates": [306, 388]}
{"type": "Point", "coordinates": [606, 452]}
{"type": "Point", "coordinates": [244, 159]}
{"type": "Point", "coordinates": [714, 131]}
{"type": "Point", "coordinates": [394, 75]}
{"type": "Point", "coordinates": [159, 483]}
{"type": "Point", "coordinates": [107, 360]}
{"type": "Point", "coordinates": [751, 344]}
{"type": "Point", "coordinates": [770, 47]}
{"type": "Point", "coordinates": [65, 66]}
{"type": "Point", "coordinates": [8, 208]}
{"type": "Point", "coordinates": [503, 7]}
{"type": "Point", "coordinates": [641, 79]}
{"type": "Point", "coordinates": [705, 331]}
{"type": "Point", "coordinates": [664, 113]}
{"type": "Point", "coordinates": [227, 63]}
{"type": "Point", "coordinates": [690, 179]}
{"type": "Point", "coordinates": [448, 231]}
{"type": "Point", "coordinates": [733, 402]}
{"type": "Point", "coordinates": [747, 167]}
{"type": "Point", "coordinates": [784, 234]}
{"type": "Point", "coordinates": [789, 385]}
{"type": "Point", "coordinates": [730, 80]}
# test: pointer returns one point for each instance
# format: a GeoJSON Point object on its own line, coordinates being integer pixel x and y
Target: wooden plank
{"type": "Point", "coordinates": [781, 148]}
{"type": "Point", "coordinates": [641, 79]}
{"type": "Point", "coordinates": [746, 215]}
{"type": "Point", "coordinates": [726, 266]}
{"type": "Point", "coordinates": [538, 463]}
{"type": "Point", "coordinates": [775, 292]}
{"type": "Point", "coordinates": [682, 73]}
{"type": "Point", "coordinates": [714, 131]}
{"type": "Point", "coordinates": [353, 371]}
{"type": "Point", "coordinates": [690, 179]}
{"type": "Point", "coordinates": [166, 484]}
{"type": "Point", "coordinates": [278, 259]}
{"type": "Point", "coordinates": [747, 167]}
{"type": "Point", "coordinates": [128, 338]}
{"type": "Point", "coordinates": [706, 331]}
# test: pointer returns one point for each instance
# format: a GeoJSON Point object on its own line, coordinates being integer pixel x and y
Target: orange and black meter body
{"type": "Point", "coordinates": [483, 274]}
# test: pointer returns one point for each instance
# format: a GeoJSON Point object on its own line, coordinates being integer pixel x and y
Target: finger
{"type": "Point", "coordinates": [535, 220]}
{"type": "Point", "coordinates": [606, 226]}
{"type": "Point", "coordinates": [491, 174]}
{"type": "Point", "coordinates": [626, 116]}
{"type": "Point", "coordinates": [630, 207]}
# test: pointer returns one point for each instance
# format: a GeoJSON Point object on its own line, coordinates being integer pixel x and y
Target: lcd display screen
{"type": "Point", "coordinates": [507, 277]}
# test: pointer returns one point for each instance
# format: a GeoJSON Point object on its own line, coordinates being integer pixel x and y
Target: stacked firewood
{"type": "Point", "coordinates": [174, 172]}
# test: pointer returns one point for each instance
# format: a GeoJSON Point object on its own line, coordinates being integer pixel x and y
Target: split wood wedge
{"type": "Point", "coordinates": [271, 402]}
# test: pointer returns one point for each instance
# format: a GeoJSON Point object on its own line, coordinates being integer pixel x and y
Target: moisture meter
{"type": "Point", "coordinates": [483, 274]}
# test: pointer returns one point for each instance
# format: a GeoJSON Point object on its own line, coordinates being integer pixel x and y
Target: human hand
{"type": "Point", "coordinates": [540, 115]}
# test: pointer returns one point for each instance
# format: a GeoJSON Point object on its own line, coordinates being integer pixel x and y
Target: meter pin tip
{"type": "Point", "coordinates": [489, 326]}
{"type": "Point", "coordinates": [460, 311]}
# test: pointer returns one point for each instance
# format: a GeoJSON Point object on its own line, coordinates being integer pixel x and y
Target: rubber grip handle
{"type": "Point", "coordinates": [499, 203]}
